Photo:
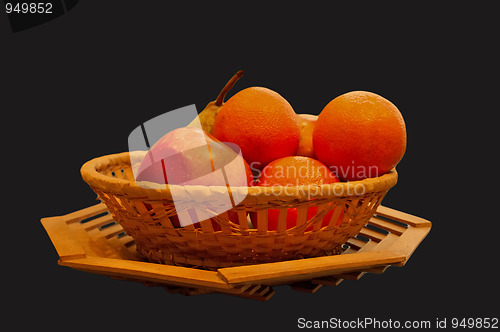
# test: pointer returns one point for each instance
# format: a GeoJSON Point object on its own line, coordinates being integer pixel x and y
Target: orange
{"type": "Point", "coordinates": [261, 122]}
{"type": "Point", "coordinates": [295, 171]}
{"type": "Point", "coordinates": [359, 135]}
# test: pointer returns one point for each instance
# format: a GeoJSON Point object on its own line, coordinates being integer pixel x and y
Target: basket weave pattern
{"type": "Point", "coordinates": [146, 215]}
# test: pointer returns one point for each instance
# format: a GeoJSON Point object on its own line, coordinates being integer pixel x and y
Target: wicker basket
{"type": "Point", "coordinates": [148, 216]}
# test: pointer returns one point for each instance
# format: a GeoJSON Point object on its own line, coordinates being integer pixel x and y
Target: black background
{"type": "Point", "coordinates": [73, 89]}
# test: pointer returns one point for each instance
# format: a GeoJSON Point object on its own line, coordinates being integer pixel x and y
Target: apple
{"type": "Point", "coordinates": [189, 156]}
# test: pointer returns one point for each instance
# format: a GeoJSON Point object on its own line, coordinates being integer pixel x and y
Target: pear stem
{"type": "Point", "coordinates": [220, 99]}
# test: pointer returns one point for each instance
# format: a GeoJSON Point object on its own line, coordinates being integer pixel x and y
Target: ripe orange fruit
{"type": "Point", "coordinates": [295, 171]}
{"type": "Point", "coordinates": [261, 122]}
{"type": "Point", "coordinates": [359, 134]}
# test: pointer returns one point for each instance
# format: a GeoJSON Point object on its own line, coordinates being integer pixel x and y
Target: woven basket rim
{"type": "Point", "coordinates": [119, 186]}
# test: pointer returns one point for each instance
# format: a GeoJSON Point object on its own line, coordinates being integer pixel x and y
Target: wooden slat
{"type": "Point", "coordinates": [351, 276]}
{"type": "Point", "coordinates": [126, 240]}
{"type": "Point", "coordinates": [98, 222]}
{"type": "Point", "coordinates": [388, 226]}
{"type": "Point", "coordinates": [327, 281]}
{"type": "Point", "coordinates": [386, 243]}
{"type": "Point", "coordinates": [188, 291]}
{"type": "Point", "coordinates": [402, 217]}
{"type": "Point", "coordinates": [111, 231]}
{"type": "Point", "coordinates": [307, 268]}
{"type": "Point", "coordinates": [356, 244]}
{"type": "Point", "coordinates": [369, 246]}
{"type": "Point", "coordinates": [371, 234]}
{"type": "Point", "coordinates": [306, 286]}
{"type": "Point", "coordinates": [66, 245]}
{"type": "Point", "coordinates": [257, 292]}
{"type": "Point", "coordinates": [86, 213]}
{"type": "Point", "coordinates": [378, 269]}
{"type": "Point", "coordinates": [174, 275]}
{"type": "Point", "coordinates": [406, 243]}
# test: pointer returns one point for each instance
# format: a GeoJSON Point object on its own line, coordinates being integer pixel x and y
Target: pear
{"type": "Point", "coordinates": [306, 125]}
{"type": "Point", "coordinates": [209, 113]}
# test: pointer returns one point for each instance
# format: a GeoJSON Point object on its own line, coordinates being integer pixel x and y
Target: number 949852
{"type": "Point", "coordinates": [477, 323]}
{"type": "Point", "coordinates": [28, 7]}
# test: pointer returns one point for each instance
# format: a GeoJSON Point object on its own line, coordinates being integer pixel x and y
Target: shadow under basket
{"type": "Point", "coordinates": [241, 235]}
